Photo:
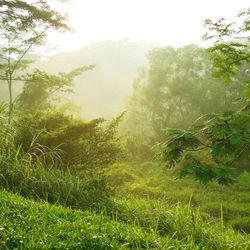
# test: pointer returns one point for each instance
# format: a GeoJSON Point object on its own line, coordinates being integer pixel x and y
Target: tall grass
{"type": "Point", "coordinates": [180, 222]}
{"type": "Point", "coordinates": [145, 180]}
{"type": "Point", "coordinates": [36, 225]}
{"type": "Point", "coordinates": [26, 173]}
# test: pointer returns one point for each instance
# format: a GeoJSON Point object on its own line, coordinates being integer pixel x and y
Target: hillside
{"type": "Point", "coordinates": [26, 224]}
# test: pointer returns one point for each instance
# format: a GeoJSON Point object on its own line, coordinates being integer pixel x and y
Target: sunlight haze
{"type": "Point", "coordinates": [163, 22]}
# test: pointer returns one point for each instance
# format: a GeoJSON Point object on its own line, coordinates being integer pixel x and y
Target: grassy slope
{"type": "Point", "coordinates": [37, 225]}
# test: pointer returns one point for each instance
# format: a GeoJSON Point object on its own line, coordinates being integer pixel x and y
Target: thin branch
{"type": "Point", "coordinates": [243, 37]}
{"type": "Point", "coordinates": [22, 56]}
{"type": "Point", "coordinates": [27, 49]}
{"type": "Point", "coordinates": [19, 79]}
{"type": "Point", "coordinates": [198, 149]}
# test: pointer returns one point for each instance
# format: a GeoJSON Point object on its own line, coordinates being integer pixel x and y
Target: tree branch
{"type": "Point", "coordinates": [27, 49]}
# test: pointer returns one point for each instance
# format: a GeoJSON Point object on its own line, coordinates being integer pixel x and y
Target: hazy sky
{"type": "Point", "coordinates": [167, 22]}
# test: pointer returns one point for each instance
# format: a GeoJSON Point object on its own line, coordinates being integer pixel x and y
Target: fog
{"type": "Point", "coordinates": [99, 37]}
{"type": "Point", "coordinates": [105, 90]}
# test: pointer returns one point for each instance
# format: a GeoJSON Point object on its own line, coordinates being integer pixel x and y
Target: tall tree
{"type": "Point", "coordinates": [177, 89]}
{"type": "Point", "coordinates": [23, 25]}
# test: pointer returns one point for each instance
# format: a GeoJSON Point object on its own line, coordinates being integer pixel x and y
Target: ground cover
{"type": "Point", "coordinates": [26, 224]}
{"type": "Point", "coordinates": [151, 180]}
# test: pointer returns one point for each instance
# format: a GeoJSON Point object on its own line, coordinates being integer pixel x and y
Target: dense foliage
{"type": "Point", "coordinates": [81, 145]}
{"type": "Point", "coordinates": [222, 139]}
{"type": "Point", "coordinates": [177, 89]}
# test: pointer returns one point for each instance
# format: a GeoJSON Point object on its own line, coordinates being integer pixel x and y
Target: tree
{"type": "Point", "coordinates": [41, 89]}
{"type": "Point", "coordinates": [172, 89]}
{"type": "Point", "coordinates": [210, 149]}
{"type": "Point", "coordinates": [177, 80]}
{"type": "Point", "coordinates": [227, 55]}
{"type": "Point", "coordinates": [22, 26]}
{"type": "Point", "coordinates": [176, 90]}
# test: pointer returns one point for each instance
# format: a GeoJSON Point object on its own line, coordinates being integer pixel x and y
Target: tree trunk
{"type": "Point", "coordinates": [10, 98]}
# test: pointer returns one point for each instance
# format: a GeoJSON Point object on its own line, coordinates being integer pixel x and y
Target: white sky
{"type": "Point", "coordinates": [166, 22]}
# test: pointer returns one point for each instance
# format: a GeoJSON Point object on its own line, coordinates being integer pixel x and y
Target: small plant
{"type": "Point", "coordinates": [224, 140]}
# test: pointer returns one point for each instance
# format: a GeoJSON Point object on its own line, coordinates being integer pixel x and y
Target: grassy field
{"type": "Point", "coordinates": [37, 225]}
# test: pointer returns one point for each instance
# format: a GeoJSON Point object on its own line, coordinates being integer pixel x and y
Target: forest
{"type": "Point", "coordinates": [122, 144]}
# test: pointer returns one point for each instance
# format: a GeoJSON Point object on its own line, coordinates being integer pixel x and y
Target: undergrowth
{"type": "Point", "coordinates": [139, 206]}
{"type": "Point", "coordinates": [149, 180]}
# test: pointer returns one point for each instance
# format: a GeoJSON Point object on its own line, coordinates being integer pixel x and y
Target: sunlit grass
{"type": "Point", "coordinates": [38, 225]}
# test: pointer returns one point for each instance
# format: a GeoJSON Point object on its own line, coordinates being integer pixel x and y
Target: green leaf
{"type": "Point", "coordinates": [188, 135]}
{"type": "Point", "coordinates": [174, 131]}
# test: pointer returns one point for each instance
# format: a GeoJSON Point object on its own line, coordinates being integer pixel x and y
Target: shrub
{"type": "Point", "coordinates": [24, 172]}
{"type": "Point", "coordinates": [84, 145]}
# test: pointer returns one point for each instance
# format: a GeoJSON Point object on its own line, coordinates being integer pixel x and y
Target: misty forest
{"type": "Point", "coordinates": [122, 144]}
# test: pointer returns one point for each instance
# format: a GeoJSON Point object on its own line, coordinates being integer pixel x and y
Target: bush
{"type": "Point", "coordinates": [84, 145]}
{"type": "Point", "coordinates": [24, 172]}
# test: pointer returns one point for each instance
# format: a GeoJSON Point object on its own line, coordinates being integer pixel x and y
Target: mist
{"type": "Point", "coordinates": [104, 91]}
